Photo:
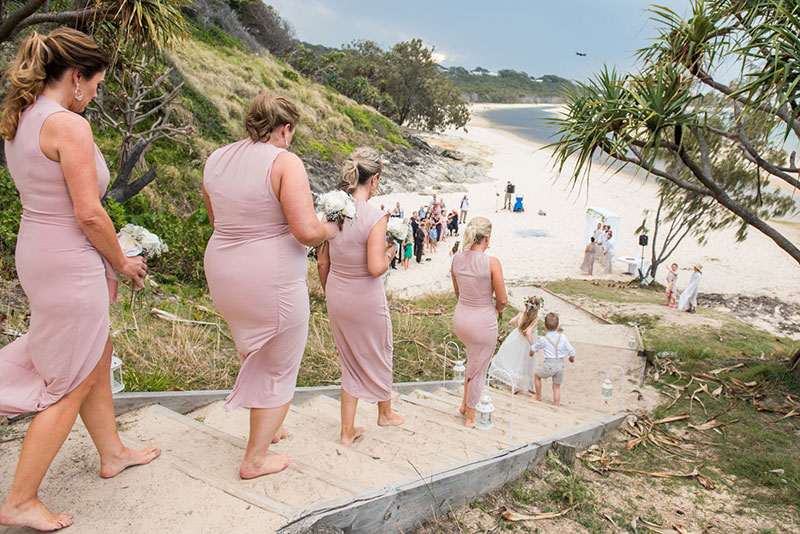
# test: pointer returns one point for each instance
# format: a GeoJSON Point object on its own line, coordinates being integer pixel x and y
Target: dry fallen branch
{"type": "Point", "coordinates": [512, 516]}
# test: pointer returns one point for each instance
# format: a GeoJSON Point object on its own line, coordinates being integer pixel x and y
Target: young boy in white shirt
{"type": "Point", "coordinates": [555, 346]}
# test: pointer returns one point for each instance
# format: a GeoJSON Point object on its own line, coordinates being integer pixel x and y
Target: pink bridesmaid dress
{"type": "Point", "coordinates": [68, 283]}
{"type": "Point", "coordinates": [475, 318]}
{"type": "Point", "coordinates": [256, 273]}
{"type": "Point", "coordinates": [359, 313]}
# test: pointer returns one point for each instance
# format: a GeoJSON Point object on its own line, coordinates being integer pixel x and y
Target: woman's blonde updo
{"type": "Point", "coordinates": [267, 112]}
{"type": "Point", "coordinates": [477, 229]}
{"type": "Point", "coordinates": [42, 59]}
{"type": "Point", "coordinates": [362, 164]}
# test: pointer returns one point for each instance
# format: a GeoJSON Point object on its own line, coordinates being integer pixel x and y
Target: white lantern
{"type": "Point", "coordinates": [607, 390]}
{"type": "Point", "coordinates": [485, 410]}
{"type": "Point", "coordinates": [459, 371]}
{"type": "Point", "coordinates": [632, 342]}
{"type": "Point", "coordinates": [117, 384]}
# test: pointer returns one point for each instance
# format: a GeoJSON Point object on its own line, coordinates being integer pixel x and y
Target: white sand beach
{"type": "Point", "coordinates": [755, 266]}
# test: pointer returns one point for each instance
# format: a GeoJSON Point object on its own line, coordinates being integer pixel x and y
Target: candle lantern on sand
{"type": "Point", "coordinates": [607, 390]}
{"type": "Point", "coordinates": [459, 372]}
{"type": "Point", "coordinates": [485, 410]}
{"type": "Point", "coordinates": [117, 384]}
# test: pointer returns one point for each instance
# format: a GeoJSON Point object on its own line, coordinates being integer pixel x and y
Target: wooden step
{"type": "Point", "coordinates": [413, 434]}
{"type": "Point", "coordinates": [525, 422]}
{"type": "Point", "coordinates": [452, 422]}
{"type": "Point", "coordinates": [218, 455]}
{"type": "Point", "coordinates": [309, 444]}
{"type": "Point", "coordinates": [379, 442]}
{"type": "Point", "coordinates": [133, 501]}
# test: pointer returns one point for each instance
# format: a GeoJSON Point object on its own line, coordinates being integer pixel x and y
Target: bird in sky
{"type": "Point", "coordinates": [580, 54]}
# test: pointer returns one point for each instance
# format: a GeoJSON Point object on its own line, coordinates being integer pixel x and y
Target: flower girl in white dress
{"type": "Point", "coordinates": [514, 355]}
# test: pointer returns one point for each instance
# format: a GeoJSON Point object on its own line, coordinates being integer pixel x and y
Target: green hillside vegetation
{"type": "Point", "coordinates": [221, 75]}
{"type": "Point", "coordinates": [507, 86]}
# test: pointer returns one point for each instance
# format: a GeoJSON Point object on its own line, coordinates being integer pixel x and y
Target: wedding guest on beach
{"type": "Point", "coordinates": [67, 253]}
{"type": "Point", "coordinates": [609, 248]}
{"type": "Point", "coordinates": [259, 203]}
{"type": "Point", "coordinates": [350, 270]}
{"type": "Point", "coordinates": [399, 210]}
{"type": "Point", "coordinates": [433, 232]}
{"type": "Point", "coordinates": [408, 250]}
{"type": "Point", "coordinates": [598, 246]}
{"type": "Point", "coordinates": [588, 258]}
{"type": "Point", "coordinates": [671, 287]}
{"type": "Point", "coordinates": [507, 202]}
{"type": "Point", "coordinates": [477, 277]}
{"type": "Point", "coordinates": [452, 223]}
{"type": "Point", "coordinates": [688, 300]}
{"type": "Point", "coordinates": [419, 242]}
{"type": "Point", "coordinates": [464, 209]}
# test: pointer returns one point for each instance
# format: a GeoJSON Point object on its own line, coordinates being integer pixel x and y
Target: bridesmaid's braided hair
{"type": "Point", "coordinates": [267, 112]}
{"type": "Point", "coordinates": [362, 164]}
{"type": "Point", "coordinates": [40, 60]}
{"type": "Point", "coordinates": [477, 229]}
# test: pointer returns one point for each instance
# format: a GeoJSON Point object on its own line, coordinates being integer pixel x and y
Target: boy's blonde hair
{"type": "Point", "coordinates": [551, 321]}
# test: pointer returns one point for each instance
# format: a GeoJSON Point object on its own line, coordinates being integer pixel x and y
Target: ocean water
{"type": "Point", "coordinates": [533, 123]}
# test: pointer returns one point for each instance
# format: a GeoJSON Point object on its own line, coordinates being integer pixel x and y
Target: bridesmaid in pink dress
{"type": "Point", "coordinates": [259, 203]}
{"type": "Point", "coordinates": [350, 270]}
{"type": "Point", "coordinates": [476, 278]}
{"type": "Point", "coordinates": [66, 248]}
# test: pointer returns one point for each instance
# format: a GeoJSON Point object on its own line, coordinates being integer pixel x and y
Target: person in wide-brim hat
{"type": "Point", "coordinates": [688, 300]}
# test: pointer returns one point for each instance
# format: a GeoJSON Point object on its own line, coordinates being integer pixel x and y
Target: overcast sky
{"type": "Point", "coordinates": [535, 36]}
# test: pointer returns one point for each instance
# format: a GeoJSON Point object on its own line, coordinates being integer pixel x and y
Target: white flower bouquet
{"type": "Point", "coordinates": [135, 240]}
{"type": "Point", "coordinates": [337, 206]}
{"type": "Point", "coordinates": [397, 229]}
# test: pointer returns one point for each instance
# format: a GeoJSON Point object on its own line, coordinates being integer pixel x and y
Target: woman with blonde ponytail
{"type": "Point", "coordinates": [477, 278]}
{"type": "Point", "coordinates": [350, 270]}
{"type": "Point", "coordinates": [67, 254]}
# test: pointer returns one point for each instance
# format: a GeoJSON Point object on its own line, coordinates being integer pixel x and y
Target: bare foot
{"type": "Point", "coordinates": [393, 419]}
{"type": "Point", "coordinates": [282, 433]}
{"type": "Point", "coordinates": [268, 465]}
{"type": "Point", "coordinates": [33, 514]}
{"type": "Point", "coordinates": [463, 409]}
{"type": "Point", "coordinates": [348, 439]}
{"type": "Point", "coordinates": [539, 398]}
{"type": "Point", "coordinates": [127, 458]}
{"type": "Point", "coordinates": [469, 423]}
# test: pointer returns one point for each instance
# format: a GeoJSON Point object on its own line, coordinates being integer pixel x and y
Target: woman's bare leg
{"type": "Point", "coordinates": [264, 424]}
{"type": "Point", "coordinates": [349, 430]}
{"type": "Point", "coordinates": [469, 418]}
{"type": "Point", "coordinates": [386, 417]}
{"type": "Point", "coordinates": [97, 413]}
{"type": "Point", "coordinates": [45, 436]}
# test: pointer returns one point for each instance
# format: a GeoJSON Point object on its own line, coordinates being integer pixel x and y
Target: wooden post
{"type": "Point", "coordinates": [565, 452]}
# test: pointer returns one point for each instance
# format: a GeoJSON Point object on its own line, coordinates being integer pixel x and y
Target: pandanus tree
{"type": "Point", "coordinates": [139, 97]}
{"type": "Point", "coordinates": [711, 145]}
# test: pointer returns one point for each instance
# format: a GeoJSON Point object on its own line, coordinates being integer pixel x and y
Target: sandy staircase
{"type": "Point", "coordinates": [387, 482]}
{"type": "Point", "coordinates": [194, 486]}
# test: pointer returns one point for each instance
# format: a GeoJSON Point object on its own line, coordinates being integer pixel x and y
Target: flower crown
{"type": "Point", "coordinates": [534, 302]}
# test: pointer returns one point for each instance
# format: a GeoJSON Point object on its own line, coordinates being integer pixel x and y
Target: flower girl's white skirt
{"type": "Point", "coordinates": [513, 357]}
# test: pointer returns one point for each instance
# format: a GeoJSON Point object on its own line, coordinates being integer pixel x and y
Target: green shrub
{"type": "Point", "coordinates": [10, 213]}
{"type": "Point", "coordinates": [290, 74]}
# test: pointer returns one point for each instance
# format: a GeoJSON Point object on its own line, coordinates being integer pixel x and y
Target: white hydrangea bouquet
{"type": "Point", "coordinates": [337, 206]}
{"type": "Point", "coordinates": [135, 240]}
{"type": "Point", "coordinates": [397, 229]}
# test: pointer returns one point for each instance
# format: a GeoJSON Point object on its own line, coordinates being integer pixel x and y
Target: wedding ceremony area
{"type": "Point", "coordinates": [280, 267]}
